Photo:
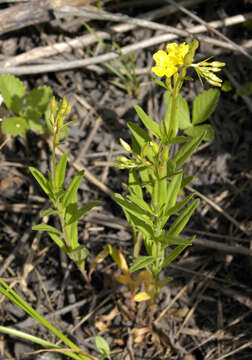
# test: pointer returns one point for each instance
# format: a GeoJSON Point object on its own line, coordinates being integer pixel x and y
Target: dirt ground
{"type": "Point", "coordinates": [206, 311]}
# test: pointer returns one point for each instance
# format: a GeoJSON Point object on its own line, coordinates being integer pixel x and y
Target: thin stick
{"type": "Point", "coordinates": [38, 69]}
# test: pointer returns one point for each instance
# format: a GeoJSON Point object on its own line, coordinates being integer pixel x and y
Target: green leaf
{"type": "Point", "coordinates": [159, 82]}
{"type": "Point", "coordinates": [43, 182]}
{"type": "Point", "coordinates": [141, 203]}
{"type": "Point", "coordinates": [78, 255]}
{"type": "Point", "coordinates": [71, 226]}
{"type": "Point", "coordinates": [131, 207]}
{"type": "Point", "coordinates": [39, 98]}
{"type": "Point", "coordinates": [48, 228]}
{"type": "Point", "coordinates": [179, 205]}
{"type": "Point", "coordinates": [204, 105]}
{"type": "Point", "coordinates": [82, 211]}
{"type": "Point", "coordinates": [60, 171]}
{"type": "Point", "coordinates": [102, 346]}
{"type": "Point", "coordinates": [13, 92]}
{"type": "Point", "coordinates": [14, 126]}
{"type": "Point", "coordinates": [33, 118]}
{"type": "Point", "coordinates": [71, 191]}
{"type": "Point", "coordinates": [182, 114]}
{"type": "Point", "coordinates": [49, 212]}
{"type": "Point", "coordinates": [143, 226]}
{"type": "Point", "coordinates": [173, 255]}
{"type": "Point", "coordinates": [175, 240]}
{"type": "Point", "coordinates": [186, 151]}
{"type": "Point", "coordinates": [151, 125]}
{"type": "Point", "coordinates": [139, 134]}
{"type": "Point", "coordinates": [134, 184]}
{"type": "Point", "coordinates": [141, 262]}
{"type": "Point", "coordinates": [205, 129]}
{"type": "Point", "coordinates": [226, 86]}
{"type": "Point", "coordinates": [58, 241]}
{"type": "Point", "coordinates": [173, 190]}
{"type": "Point", "coordinates": [181, 221]}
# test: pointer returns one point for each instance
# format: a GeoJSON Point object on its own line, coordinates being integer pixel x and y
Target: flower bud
{"type": "Point", "coordinates": [190, 55]}
{"type": "Point", "coordinates": [155, 147]}
{"type": "Point", "coordinates": [126, 146]}
{"type": "Point", "coordinates": [145, 149]}
{"type": "Point", "coordinates": [165, 154]}
{"type": "Point", "coordinates": [217, 64]}
{"type": "Point", "coordinates": [52, 104]}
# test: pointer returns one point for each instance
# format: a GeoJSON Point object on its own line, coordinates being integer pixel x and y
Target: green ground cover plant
{"type": "Point", "coordinates": [156, 206]}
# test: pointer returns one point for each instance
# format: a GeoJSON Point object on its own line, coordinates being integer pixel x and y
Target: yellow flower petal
{"type": "Point", "coordinates": [142, 296]}
{"type": "Point", "coordinates": [184, 48]}
{"type": "Point", "coordinates": [172, 47]}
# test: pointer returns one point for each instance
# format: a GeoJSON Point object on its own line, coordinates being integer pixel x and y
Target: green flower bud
{"type": "Point", "coordinates": [155, 147]}
{"type": "Point", "coordinates": [126, 146]}
{"type": "Point", "coordinates": [165, 154]}
{"type": "Point", "coordinates": [145, 149]}
{"type": "Point", "coordinates": [190, 55]}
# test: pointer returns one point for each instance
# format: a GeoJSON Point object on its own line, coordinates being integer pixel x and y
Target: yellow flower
{"type": "Point", "coordinates": [167, 63]}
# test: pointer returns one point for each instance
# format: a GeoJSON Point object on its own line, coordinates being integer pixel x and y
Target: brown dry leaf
{"type": "Point", "coordinates": [119, 342]}
{"type": "Point", "coordinates": [190, 357]}
{"type": "Point", "coordinates": [139, 334]}
{"type": "Point", "coordinates": [110, 316]}
{"type": "Point", "coordinates": [181, 313]}
{"type": "Point", "coordinates": [101, 326]}
{"type": "Point", "coordinates": [128, 357]}
{"type": "Point", "coordinates": [11, 181]}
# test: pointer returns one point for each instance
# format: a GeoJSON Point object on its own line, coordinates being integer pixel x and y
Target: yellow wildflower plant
{"type": "Point", "coordinates": [167, 64]}
{"type": "Point", "coordinates": [178, 58]}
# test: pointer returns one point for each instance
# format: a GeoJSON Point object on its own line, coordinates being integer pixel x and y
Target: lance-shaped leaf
{"type": "Point", "coordinates": [173, 190]}
{"type": "Point", "coordinates": [175, 209]}
{"type": "Point", "coordinates": [141, 262]}
{"type": "Point", "coordinates": [70, 194]}
{"type": "Point", "coordinates": [182, 114]}
{"type": "Point", "coordinates": [132, 208]}
{"type": "Point", "coordinates": [58, 241]}
{"type": "Point", "coordinates": [49, 212]}
{"type": "Point", "coordinates": [174, 240]}
{"type": "Point", "coordinates": [103, 347]}
{"type": "Point", "coordinates": [181, 221]}
{"type": "Point", "coordinates": [43, 182]}
{"type": "Point", "coordinates": [78, 213]}
{"type": "Point", "coordinates": [134, 184]}
{"type": "Point", "coordinates": [175, 253]}
{"type": "Point", "coordinates": [139, 223]}
{"type": "Point", "coordinates": [141, 203]}
{"type": "Point", "coordinates": [60, 171]}
{"type": "Point", "coordinates": [151, 125]}
{"type": "Point", "coordinates": [48, 228]}
{"type": "Point", "coordinates": [186, 151]}
{"type": "Point", "coordinates": [139, 134]}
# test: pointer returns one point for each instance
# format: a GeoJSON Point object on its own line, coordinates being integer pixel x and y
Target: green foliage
{"type": "Point", "coordinates": [203, 106]}
{"type": "Point", "coordinates": [64, 201]}
{"type": "Point", "coordinates": [156, 179]}
{"type": "Point", "coordinates": [103, 347]}
{"type": "Point", "coordinates": [28, 111]}
{"type": "Point", "coordinates": [22, 304]}
{"type": "Point", "coordinates": [124, 68]}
